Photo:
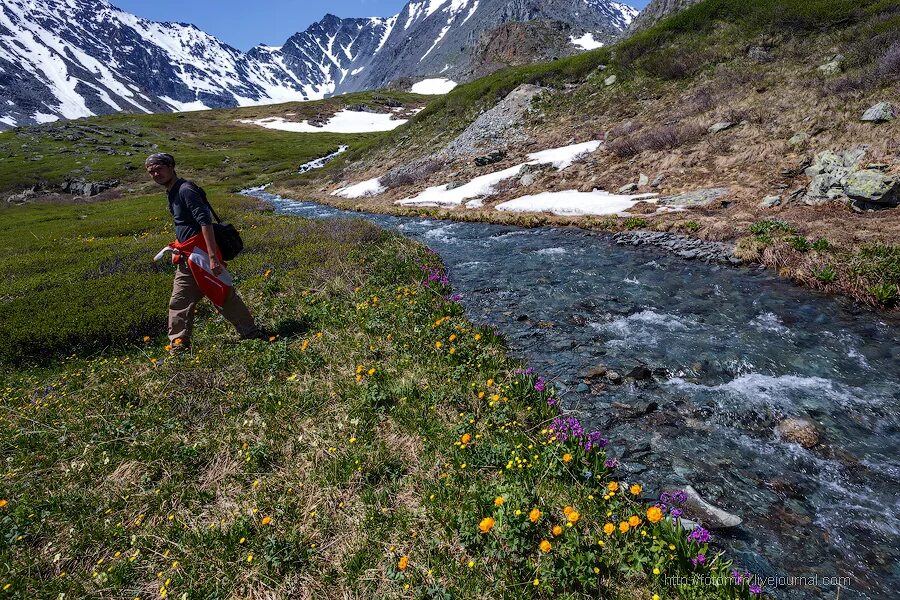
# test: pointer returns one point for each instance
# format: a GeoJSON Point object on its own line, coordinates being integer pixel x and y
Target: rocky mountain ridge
{"type": "Point", "coordinates": [75, 58]}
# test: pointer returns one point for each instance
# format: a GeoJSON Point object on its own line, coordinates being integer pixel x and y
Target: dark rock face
{"type": "Point", "coordinates": [112, 61]}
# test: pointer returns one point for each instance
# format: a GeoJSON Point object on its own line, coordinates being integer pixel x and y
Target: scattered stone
{"type": "Point", "coordinates": [23, 196]}
{"type": "Point", "coordinates": [883, 111]}
{"type": "Point", "coordinates": [830, 69]}
{"type": "Point", "coordinates": [799, 431]}
{"type": "Point", "coordinates": [629, 188]}
{"type": "Point", "coordinates": [657, 181]}
{"type": "Point", "coordinates": [798, 139]}
{"type": "Point", "coordinates": [490, 158]}
{"type": "Point", "coordinates": [641, 373]}
{"type": "Point", "coordinates": [596, 371]}
{"type": "Point", "coordinates": [709, 515]}
{"type": "Point", "coordinates": [696, 199]}
{"type": "Point", "coordinates": [583, 388]}
{"type": "Point", "coordinates": [643, 180]}
{"type": "Point", "coordinates": [721, 126]}
{"type": "Point", "coordinates": [610, 80]}
{"type": "Point", "coordinates": [527, 179]}
{"type": "Point", "coordinates": [873, 187]}
{"type": "Point", "coordinates": [760, 54]}
{"type": "Point", "coordinates": [614, 377]}
{"type": "Point", "coordinates": [770, 201]}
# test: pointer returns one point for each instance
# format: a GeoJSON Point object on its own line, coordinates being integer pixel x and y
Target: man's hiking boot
{"type": "Point", "coordinates": [260, 334]}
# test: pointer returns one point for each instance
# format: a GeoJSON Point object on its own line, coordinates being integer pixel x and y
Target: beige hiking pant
{"type": "Point", "coordinates": [183, 304]}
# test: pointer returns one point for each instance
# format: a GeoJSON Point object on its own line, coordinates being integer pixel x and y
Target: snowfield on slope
{"type": "Point", "coordinates": [433, 87]}
{"type": "Point", "coordinates": [345, 121]}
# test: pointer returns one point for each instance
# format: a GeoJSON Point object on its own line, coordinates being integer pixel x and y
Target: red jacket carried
{"type": "Point", "coordinates": [193, 249]}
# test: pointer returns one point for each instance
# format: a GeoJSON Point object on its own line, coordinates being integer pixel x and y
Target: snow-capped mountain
{"type": "Point", "coordinates": [75, 58]}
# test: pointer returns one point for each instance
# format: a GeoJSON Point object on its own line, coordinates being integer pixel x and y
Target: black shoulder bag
{"type": "Point", "coordinates": [227, 237]}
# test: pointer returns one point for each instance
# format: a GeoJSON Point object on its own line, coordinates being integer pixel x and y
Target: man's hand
{"type": "Point", "coordinates": [209, 237]}
{"type": "Point", "coordinates": [215, 265]}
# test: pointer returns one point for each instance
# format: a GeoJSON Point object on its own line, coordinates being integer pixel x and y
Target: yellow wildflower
{"type": "Point", "coordinates": [486, 524]}
{"type": "Point", "coordinates": [545, 546]}
{"type": "Point", "coordinates": [654, 514]}
{"type": "Point", "coordinates": [498, 501]}
{"type": "Point", "coordinates": [635, 489]}
{"type": "Point", "coordinates": [567, 457]}
{"type": "Point", "coordinates": [403, 563]}
{"type": "Point", "coordinates": [609, 528]}
{"type": "Point", "coordinates": [534, 515]}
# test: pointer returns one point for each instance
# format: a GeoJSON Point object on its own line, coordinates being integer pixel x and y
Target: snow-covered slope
{"type": "Point", "coordinates": [75, 58]}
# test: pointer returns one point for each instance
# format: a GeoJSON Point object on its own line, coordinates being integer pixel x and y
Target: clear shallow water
{"type": "Point", "coordinates": [733, 351]}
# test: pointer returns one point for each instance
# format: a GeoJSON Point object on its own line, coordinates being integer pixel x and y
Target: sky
{"type": "Point", "coordinates": [244, 24]}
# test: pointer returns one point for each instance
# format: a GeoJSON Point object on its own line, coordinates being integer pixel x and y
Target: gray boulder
{"type": "Point", "coordinates": [883, 111]}
{"type": "Point", "coordinates": [610, 80]}
{"type": "Point", "coordinates": [628, 188]}
{"type": "Point", "coordinates": [770, 201]}
{"type": "Point", "coordinates": [721, 126]}
{"type": "Point", "coordinates": [838, 163]}
{"type": "Point", "coordinates": [830, 69]}
{"type": "Point", "coordinates": [873, 187]}
{"type": "Point", "coordinates": [80, 187]}
{"type": "Point", "coordinates": [799, 431]}
{"type": "Point", "coordinates": [798, 139]}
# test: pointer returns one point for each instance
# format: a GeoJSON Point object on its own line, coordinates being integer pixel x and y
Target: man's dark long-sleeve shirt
{"type": "Point", "coordinates": [189, 210]}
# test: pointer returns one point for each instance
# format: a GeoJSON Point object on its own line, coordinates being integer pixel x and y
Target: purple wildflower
{"type": "Point", "coordinates": [665, 498]}
{"type": "Point", "coordinates": [567, 427]}
{"type": "Point", "coordinates": [595, 439]}
{"type": "Point", "coordinates": [611, 463]}
{"type": "Point", "coordinates": [529, 370]}
{"type": "Point", "coordinates": [679, 497]}
{"type": "Point", "coordinates": [737, 576]}
{"type": "Point", "coordinates": [540, 384]}
{"type": "Point", "coordinates": [699, 535]}
{"type": "Point", "coordinates": [755, 589]}
{"type": "Point", "coordinates": [551, 401]}
{"type": "Point", "coordinates": [698, 560]}
{"type": "Point", "coordinates": [675, 512]}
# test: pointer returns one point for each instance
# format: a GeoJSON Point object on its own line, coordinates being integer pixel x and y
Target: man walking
{"type": "Point", "coordinates": [193, 216]}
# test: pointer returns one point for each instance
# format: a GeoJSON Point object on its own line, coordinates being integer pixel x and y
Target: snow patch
{"type": "Point", "coordinates": [586, 42]}
{"type": "Point", "coordinates": [562, 158]}
{"type": "Point", "coordinates": [44, 117]}
{"type": "Point", "coordinates": [344, 121]}
{"type": "Point", "coordinates": [484, 185]}
{"type": "Point", "coordinates": [436, 86]}
{"type": "Point", "coordinates": [370, 187]}
{"type": "Point", "coordinates": [179, 106]}
{"type": "Point", "coordinates": [479, 187]}
{"type": "Point", "coordinates": [571, 203]}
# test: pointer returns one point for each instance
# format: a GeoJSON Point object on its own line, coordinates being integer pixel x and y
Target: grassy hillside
{"type": "Point", "coordinates": [209, 144]}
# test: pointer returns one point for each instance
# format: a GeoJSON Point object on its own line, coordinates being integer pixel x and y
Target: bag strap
{"type": "Point", "coordinates": [202, 195]}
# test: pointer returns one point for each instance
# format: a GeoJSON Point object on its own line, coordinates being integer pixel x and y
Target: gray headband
{"type": "Point", "coordinates": [160, 158]}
